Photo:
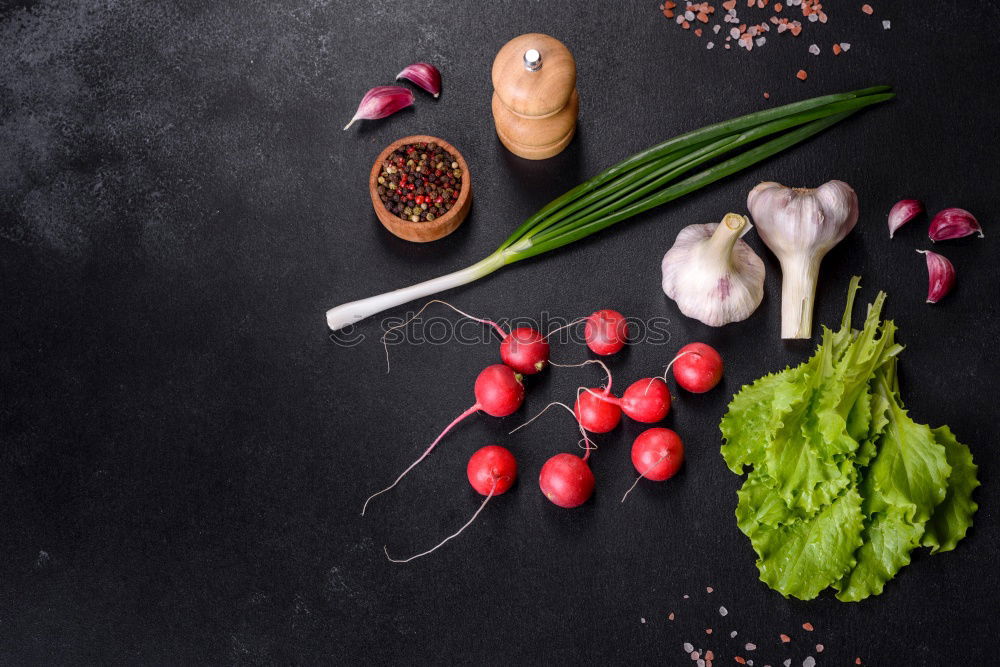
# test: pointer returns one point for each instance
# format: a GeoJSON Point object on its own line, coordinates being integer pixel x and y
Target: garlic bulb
{"type": "Point", "coordinates": [800, 225]}
{"type": "Point", "coordinates": [713, 276]}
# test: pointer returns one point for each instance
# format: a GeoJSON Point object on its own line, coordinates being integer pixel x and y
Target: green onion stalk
{"type": "Point", "coordinates": [652, 177]}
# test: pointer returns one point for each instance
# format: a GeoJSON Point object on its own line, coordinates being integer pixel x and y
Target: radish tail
{"type": "Point", "coordinates": [565, 326]}
{"type": "Point", "coordinates": [422, 456]}
{"type": "Point", "coordinates": [503, 334]}
{"type": "Point", "coordinates": [589, 445]}
{"type": "Point", "coordinates": [643, 475]}
{"type": "Point", "coordinates": [585, 363]}
{"type": "Point", "coordinates": [665, 371]}
{"type": "Point", "coordinates": [450, 537]}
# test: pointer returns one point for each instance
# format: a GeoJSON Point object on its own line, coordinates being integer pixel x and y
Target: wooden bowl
{"type": "Point", "coordinates": [422, 232]}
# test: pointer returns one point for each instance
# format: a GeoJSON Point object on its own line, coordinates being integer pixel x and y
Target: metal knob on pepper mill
{"type": "Point", "coordinates": [535, 102]}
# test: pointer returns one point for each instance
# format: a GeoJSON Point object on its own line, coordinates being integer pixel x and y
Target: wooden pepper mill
{"type": "Point", "coordinates": [535, 102]}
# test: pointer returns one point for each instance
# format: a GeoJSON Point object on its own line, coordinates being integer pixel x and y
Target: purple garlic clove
{"type": "Point", "coordinates": [424, 75]}
{"type": "Point", "coordinates": [954, 223]}
{"type": "Point", "coordinates": [903, 212]}
{"type": "Point", "coordinates": [940, 274]}
{"type": "Point", "coordinates": [382, 101]}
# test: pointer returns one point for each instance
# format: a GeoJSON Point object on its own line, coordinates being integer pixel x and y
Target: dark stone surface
{"type": "Point", "coordinates": [185, 451]}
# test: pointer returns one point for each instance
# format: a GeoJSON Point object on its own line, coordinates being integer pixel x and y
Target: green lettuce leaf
{"type": "Point", "coordinates": [953, 517]}
{"type": "Point", "coordinates": [802, 558]}
{"type": "Point", "coordinates": [888, 539]}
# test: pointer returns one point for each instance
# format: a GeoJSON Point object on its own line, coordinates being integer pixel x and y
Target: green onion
{"type": "Point", "coordinates": [639, 183]}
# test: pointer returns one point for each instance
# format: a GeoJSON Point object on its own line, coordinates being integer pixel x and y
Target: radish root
{"type": "Point", "coordinates": [636, 482]}
{"type": "Point", "coordinates": [665, 371]}
{"type": "Point", "coordinates": [453, 535]}
{"type": "Point", "coordinates": [590, 444]}
{"type": "Point", "coordinates": [503, 334]}
{"type": "Point", "coordinates": [565, 326]}
{"type": "Point", "coordinates": [422, 456]}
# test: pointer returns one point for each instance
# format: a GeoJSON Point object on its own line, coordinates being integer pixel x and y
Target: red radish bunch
{"type": "Point", "coordinates": [498, 391]}
{"type": "Point", "coordinates": [491, 472]}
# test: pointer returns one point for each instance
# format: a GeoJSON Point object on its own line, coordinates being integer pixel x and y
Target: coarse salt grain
{"type": "Point", "coordinates": [787, 663]}
{"type": "Point", "coordinates": [807, 626]}
{"type": "Point", "coordinates": [710, 45]}
{"type": "Point", "coordinates": [686, 597]}
{"type": "Point", "coordinates": [886, 25]}
{"type": "Point", "coordinates": [845, 46]}
{"type": "Point", "coordinates": [809, 662]}
{"type": "Point", "coordinates": [688, 647]}
{"type": "Point", "coordinates": [785, 639]}
{"type": "Point", "coordinates": [670, 616]}
{"type": "Point", "coordinates": [723, 611]}
{"type": "Point", "coordinates": [819, 648]}
{"type": "Point", "coordinates": [761, 40]}
{"type": "Point", "coordinates": [813, 49]}
{"type": "Point", "coordinates": [716, 28]}
{"type": "Point", "coordinates": [750, 646]}
{"type": "Point", "coordinates": [801, 75]}
{"type": "Point", "coordinates": [709, 589]}
{"type": "Point", "coordinates": [708, 631]}
{"type": "Point", "coordinates": [695, 655]}
{"type": "Point", "coordinates": [733, 633]}
{"type": "Point", "coordinates": [643, 620]}
{"type": "Point", "coordinates": [701, 662]}
{"type": "Point", "coordinates": [867, 9]}
{"type": "Point", "coordinates": [709, 655]}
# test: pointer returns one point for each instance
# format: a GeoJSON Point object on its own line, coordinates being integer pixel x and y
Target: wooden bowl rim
{"type": "Point", "coordinates": [437, 228]}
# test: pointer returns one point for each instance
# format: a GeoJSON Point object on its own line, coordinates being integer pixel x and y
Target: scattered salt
{"type": "Point", "coordinates": [813, 49]}
{"type": "Point", "coordinates": [845, 46]}
{"type": "Point", "coordinates": [761, 40]}
{"type": "Point", "coordinates": [686, 597]}
{"type": "Point", "coordinates": [695, 655]}
{"type": "Point", "coordinates": [886, 25]}
{"type": "Point", "coordinates": [701, 663]}
{"type": "Point", "coordinates": [750, 646]}
{"type": "Point", "coordinates": [688, 647]}
{"type": "Point", "coordinates": [807, 626]}
{"type": "Point", "coordinates": [670, 616]}
{"type": "Point", "coordinates": [733, 633]}
{"type": "Point", "coordinates": [710, 45]}
{"type": "Point", "coordinates": [787, 663]}
{"type": "Point", "coordinates": [819, 648]}
{"type": "Point", "coordinates": [643, 620]}
{"type": "Point", "coordinates": [709, 589]}
{"type": "Point", "coordinates": [723, 611]}
{"type": "Point", "coordinates": [809, 662]}
{"type": "Point", "coordinates": [716, 28]}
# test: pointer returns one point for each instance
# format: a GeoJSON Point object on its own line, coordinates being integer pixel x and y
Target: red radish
{"type": "Point", "coordinates": [647, 400]}
{"type": "Point", "coordinates": [597, 410]}
{"type": "Point", "coordinates": [492, 471]}
{"type": "Point", "coordinates": [697, 367]}
{"type": "Point", "coordinates": [657, 454]}
{"type": "Point", "coordinates": [566, 480]}
{"type": "Point", "coordinates": [524, 349]}
{"type": "Point", "coordinates": [606, 332]}
{"type": "Point", "coordinates": [498, 392]}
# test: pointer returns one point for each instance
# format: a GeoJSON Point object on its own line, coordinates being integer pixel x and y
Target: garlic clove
{"type": "Point", "coordinates": [713, 275]}
{"type": "Point", "coordinates": [940, 276]}
{"type": "Point", "coordinates": [902, 212]}
{"type": "Point", "coordinates": [954, 223]}
{"type": "Point", "coordinates": [425, 75]}
{"type": "Point", "coordinates": [382, 101]}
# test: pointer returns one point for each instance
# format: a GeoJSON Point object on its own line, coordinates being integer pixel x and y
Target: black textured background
{"type": "Point", "coordinates": [185, 452]}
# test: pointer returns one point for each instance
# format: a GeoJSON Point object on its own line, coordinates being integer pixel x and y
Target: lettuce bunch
{"type": "Point", "coordinates": [843, 485]}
